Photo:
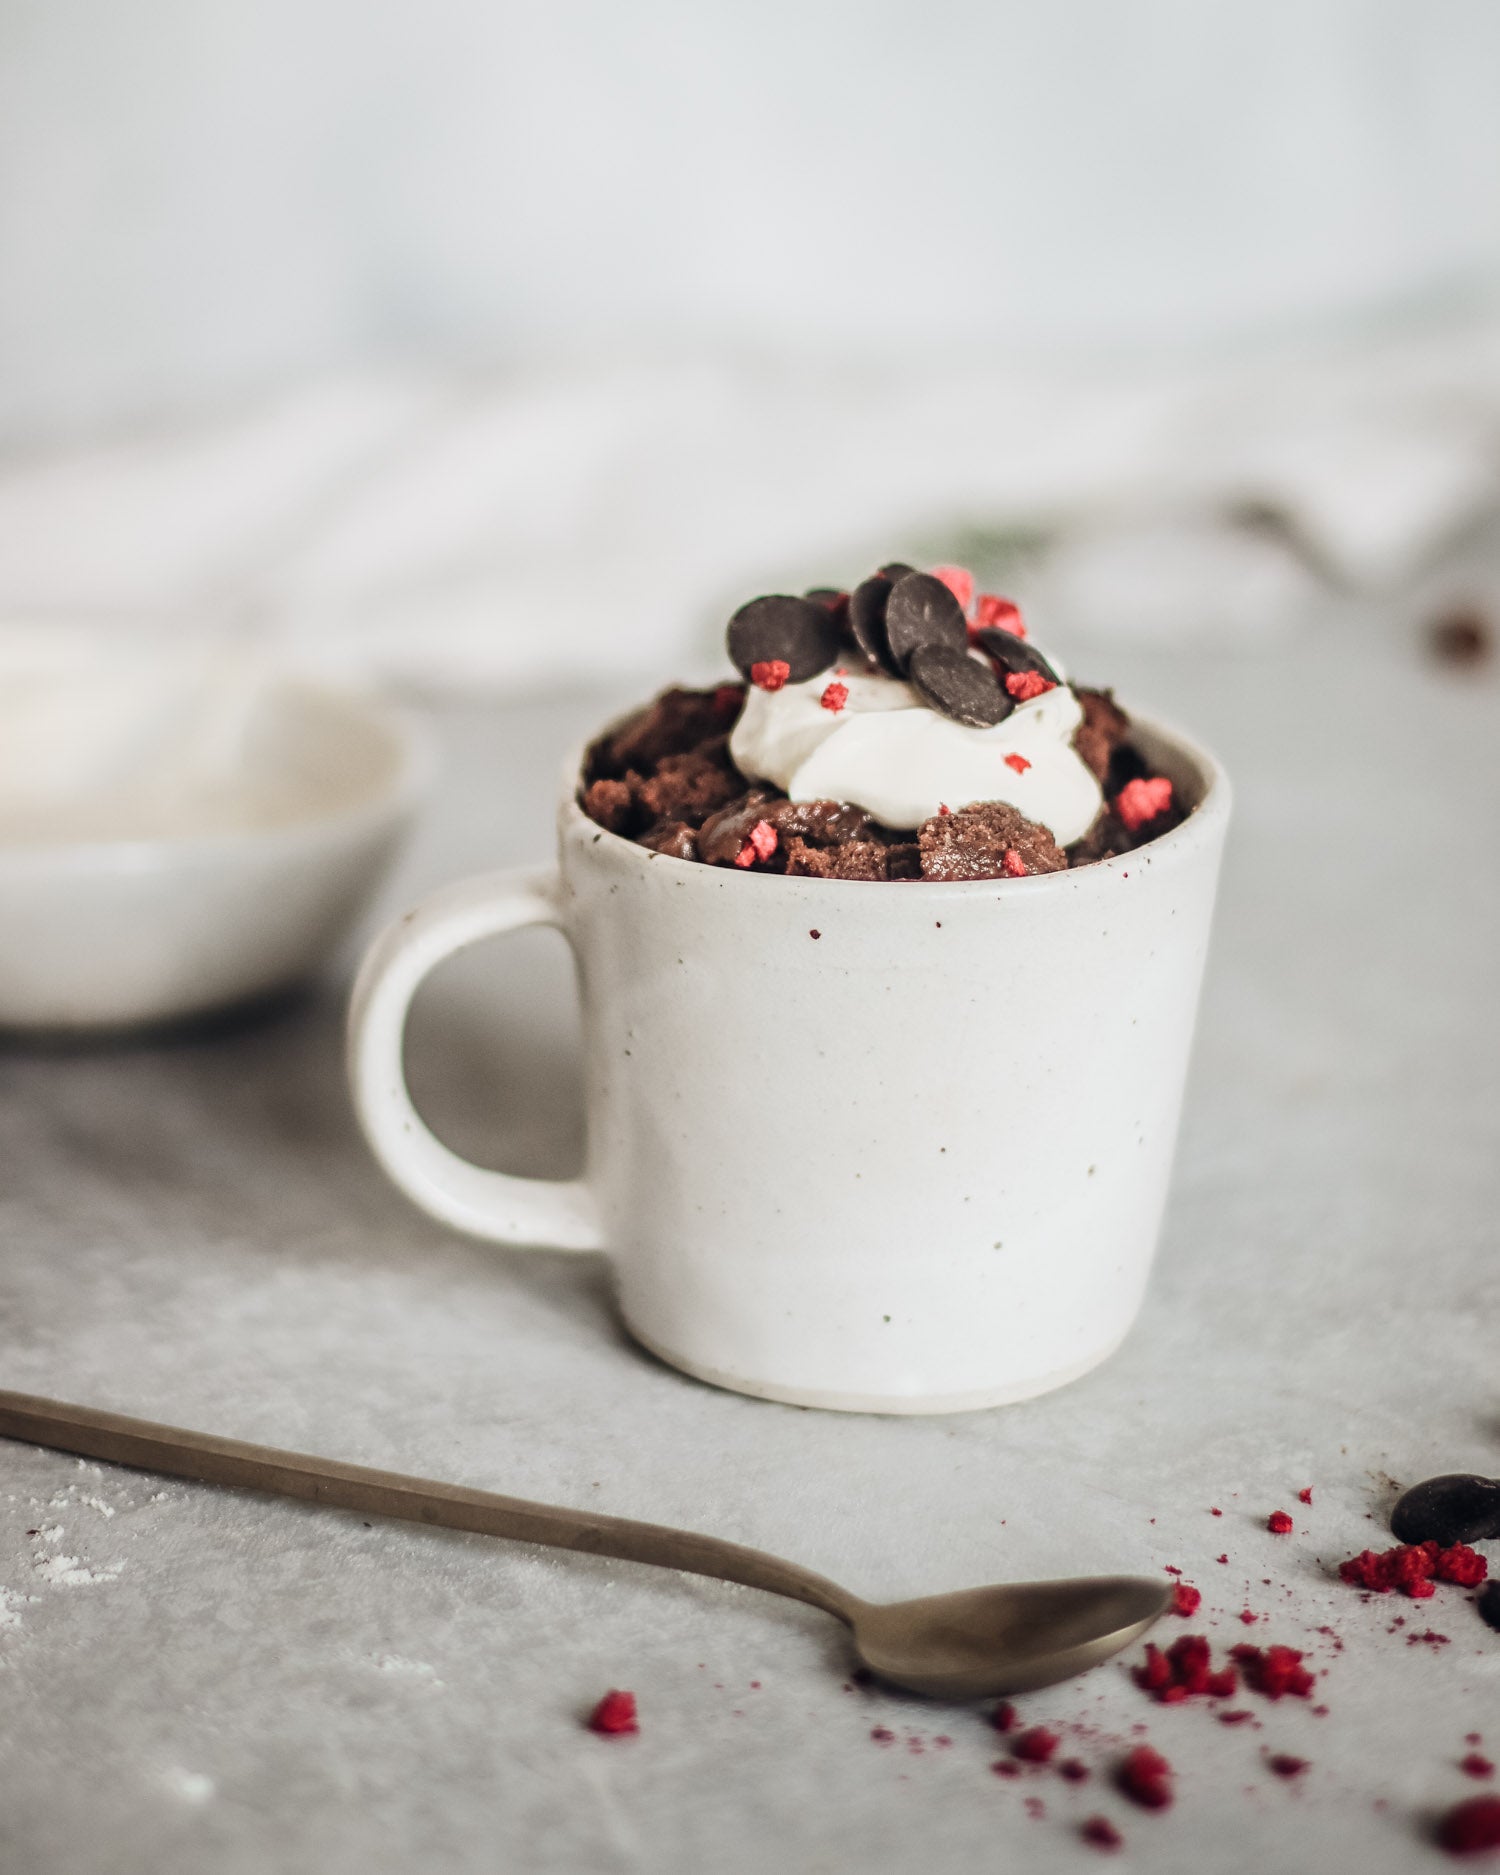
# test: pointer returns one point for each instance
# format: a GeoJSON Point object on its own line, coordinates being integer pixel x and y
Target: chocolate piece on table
{"type": "Point", "coordinates": [1012, 653]}
{"type": "Point", "coordinates": [958, 685]}
{"type": "Point", "coordinates": [923, 611]}
{"type": "Point", "coordinates": [972, 843]}
{"type": "Point", "coordinates": [866, 619]}
{"type": "Point", "coordinates": [800, 633]}
{"type": "Point", "coordinates": [1489, 1605]}
{"type": "Point", "coordinates": [1457, 1508]}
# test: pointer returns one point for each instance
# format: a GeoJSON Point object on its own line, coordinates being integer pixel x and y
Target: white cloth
{"type": "Point", "coordinates": [446, 531]}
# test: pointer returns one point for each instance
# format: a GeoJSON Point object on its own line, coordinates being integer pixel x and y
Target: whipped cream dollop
{"type": "Point", "coordinates": [886, 751]}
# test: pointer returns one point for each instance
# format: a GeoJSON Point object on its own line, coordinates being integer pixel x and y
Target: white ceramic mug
{"type": "Point", "coordinates": [894, 1148]}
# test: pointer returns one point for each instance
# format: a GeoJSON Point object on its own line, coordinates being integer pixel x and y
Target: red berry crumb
{"type": "Point", "coordinates": [760, 844]}
{"type": "Point", "coordinates": [1142, 800]}
{"type": "Point", "coordinates": [1413, 1567]}
{"type": "Point", "coordinates": [1146, 1778]}
{"type": "Point", "coordinates": [1186, 1599]}
{"type": "Point", "coordinates": [770, 673]}
{"type": "Point", "coordinates": [1285, 1765]}
{"type": "Point", "coordinates": [1036, 1746]}
{"type": "Point", "coordinates": [1012, 864]}
{"type": "Point", "coordinates": [1304, 1496]}
{"type": "Point", "coordinates": [882, 1734]}
{"type": "Point", "coordinates": [959, 581]}
{"type": "Point", "coordinates": [1471, 1827]}
{"type": "Point", "coordinates": [1214, 1511]}
{"type": "Point", "coordinates": [1003, 1718]}
{"type": "Point", "coordinates": [1476, 1765]}
{"type": "Point", "coordinates": [1279, 1523]}
{"type": "Point", "coordinates": [1185, 1670]}
{"type": "Point", "coordinates": [1100, 1833]}
{"type": "Point", "coordinates": [1018, 762]}
{"type": "Point", "coordinates": [615, 1715]}
{"type": "Point", "coordinates": [1024, 685]}
{"type": "Point", "coordinates": [835, 697]}
{"type": "Point", "coordinates": [1005, 614]}
{"type": "Point", "coordinates": [1074, 1770]}
{"type": "Point", "coordinates": [1274, 1671]}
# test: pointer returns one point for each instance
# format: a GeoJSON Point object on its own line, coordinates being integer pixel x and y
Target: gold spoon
{"type": "Point", "coordinates": [1005, 1639]}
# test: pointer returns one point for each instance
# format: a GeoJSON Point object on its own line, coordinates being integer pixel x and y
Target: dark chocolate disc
{"type": "Point", "coordinates": [898, 569]}
{"type": "Point", "coordinates": [799, 632]}
{"type": "Point", "coordinates": [1458, 1508]}
{"type": "Point", "coordinates": [1014, 654]}
{"type": "Point", "coordinates": [959, 686]}
{"type": "Point", "coordinates": [1489, 1605]}
{"type": "Point", "coordinates": [867, 605]}
{"type": "Point", "coordinates": [922, 611]}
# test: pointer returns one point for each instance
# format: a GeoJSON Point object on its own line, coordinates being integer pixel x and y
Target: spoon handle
{"type": "Point", "coordinates": [209, 1460]}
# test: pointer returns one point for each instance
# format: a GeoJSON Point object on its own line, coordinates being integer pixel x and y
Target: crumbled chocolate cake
{"type": "Point", "coordinates": [666, 779]}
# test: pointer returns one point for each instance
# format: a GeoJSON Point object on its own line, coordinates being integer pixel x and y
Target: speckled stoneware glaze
{"type": "Point", "coordinates": [896, 1148]}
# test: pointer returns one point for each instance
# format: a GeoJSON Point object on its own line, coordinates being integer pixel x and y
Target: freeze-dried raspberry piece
{"type": "Point", "coordinates": [1186, 1599]}
{"type": "Point", "coordinates": [834, 697]}
{"type": "Point", "coordinates": [1003, 1718]}
{"type": "Point", "coordinates": [1279, 1522]}
{"type": "Point", "coordinates": [1304, 1496]}
{"type": "Point", "coordinates": [1146, 1778]}
{"type": "Point", "coordinates": [1285, 1765]}
{"type": "Point", "coordinates": [760, 844]}
{"type": "Point", "coordinates": [1471, 1827]}
{"type": "Point", "coordinates": [1018, 762]}
{"type": "Point", "coordinates": [1274, 1671]}
{"type": "Point", "coordinates": [959, 581]}
{"type": "Point", "coordinates": [1074, 1770]}
{"type": "Point", "coordinates": [1100, 1833]}
{"type": "Point", "coordinates": [1142, 800]}
{"type": "Point", "coordinates": [1003, 614]}
{"type": "Point", "coordinates": [1012, 864]}
{"type": "Point", "coordinates": [770, 673]}
{"type": "Point", "coordinates": [615, 1715]}
{"type": "Point", "coordinates": [1475, 1764]}
{"type": "Point", "coordinates": [1037, 1745]}
{"type": "Point", "coordinates": [1412, 1567]}
{"type": "Point", "coordinates": [1460, 1564]}
{"type": "Point", "coordinates": [1024, 685]}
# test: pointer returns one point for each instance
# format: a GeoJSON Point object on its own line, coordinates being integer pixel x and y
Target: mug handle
{"type": "Point", "coordinates": [558, 1214]}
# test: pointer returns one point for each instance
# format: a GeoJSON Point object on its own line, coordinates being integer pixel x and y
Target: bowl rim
{"type": "Point", "coordinates": [392, 798]}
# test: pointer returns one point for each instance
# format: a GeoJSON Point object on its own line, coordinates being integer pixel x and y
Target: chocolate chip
{"type": "Point", "coordinates": [898, 569]}
{"type": "Point", "coordinates": [1489, 1605]}
{"type": "Point", "coordinates": [1014, 654]}
{"type": "Point", "coordinates": [959, 686]}
{"type": "Point", "coordinates": [867, 604]}
{"type": "Point", "coordinates": [922, 611]}
{"type": "Point", "coordinates": [1456, 1508]}
{"type": "Point", "coordinates": [801, 633]}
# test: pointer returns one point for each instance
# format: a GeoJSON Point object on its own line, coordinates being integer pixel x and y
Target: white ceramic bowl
{"type": "Point", "coordinates": [232, 895]}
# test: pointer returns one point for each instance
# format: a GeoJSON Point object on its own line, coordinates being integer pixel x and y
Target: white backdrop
{"type": "Point", "coordinates": [200, 198]}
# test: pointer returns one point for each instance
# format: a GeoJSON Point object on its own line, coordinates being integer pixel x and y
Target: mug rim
{"type": "Point", "coordinates": [1203, 825]}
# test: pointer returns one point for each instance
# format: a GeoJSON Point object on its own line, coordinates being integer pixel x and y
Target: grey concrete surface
{"type": "Point", "coordinates": [198, 1683]}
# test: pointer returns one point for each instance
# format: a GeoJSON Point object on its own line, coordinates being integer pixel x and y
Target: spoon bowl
{"type": "Point", "coordinates": [1009, 1638]}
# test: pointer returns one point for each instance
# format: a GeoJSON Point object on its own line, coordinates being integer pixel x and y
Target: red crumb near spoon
{"type": "Point", "coordinates": [615, 1715]}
